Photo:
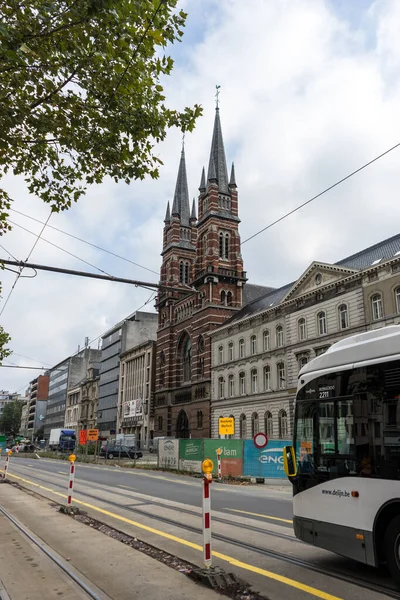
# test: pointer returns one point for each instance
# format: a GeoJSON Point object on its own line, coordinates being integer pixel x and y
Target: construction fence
{"type": "Point", "coordinates": [239, 458]}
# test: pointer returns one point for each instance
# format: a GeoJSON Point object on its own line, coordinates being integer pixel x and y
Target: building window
{"type": "Point", "coordinates": [220, 355]}
{"type": "Point", "coordinates": [181, 273]}
{"type": "Point", "coordinates": [187, 357]}
{"type": "Point", "coordinates": [186, 272]}
{"type": "Point", "coordinates": [231, 436]}
{"type": "Point", "coordinates": [221, 388]}
{"type": "Point", "coordinates": [255, 426]}
{"type": "Point", "coordinates": [267, 378]}
{"type": "Point", "coordinates": [279, 336]}
{"type": "Point", "coordinates": [230, 351]}
{"type": "Point", "coordinates": [302, 361]}
{"type": "Point", "coordinates": [266, 340]}
{"type": "Point", "coordinates": [280, 368]}
{"type": "Point", "coordinates": [200, 343]}
{"type": "Point", "coordinates": [283, 425]}
{"type": "Point", "coordinates": [242, 383]}
{"type": "Point", "coordinates": [319, 351]}
{"type": "Point", "coordinates": [231, 383]}
{"type": "Point", "coordinates": [160, 423]}
{"type": "Point", "coordinates": [221, 245]}
{"type": "Point", "coordinates": [229, 298]}
{"type": "Point", "coordinates": [243, 427]}
{"type": "Point", "coordinates": [254, 381]}
{"type": "Point", "coordinates": [377, 309]}
{"type": "Point", "coordinates": [241, 348]}
{"type": "Point", "coordinates": [302, 329]}
{"type": "Point", "coordinates": [224, 245]}
{"type": "Point", "coordinates": [321, 318]}
{"type": "Point", "coordinates": [199, 419]}
{"type": "Point", "coordinates": [397, 295]}
{"type": "Point", "coordinates": [162, 358]}
{"type": "Point", "coordinates": [343, 316]}
{"type": "Point", "coordinates": [227, 245]}
{"type": "Point", "coordinates": [269, 428]}
{"type": "Point", "coordinates": [253, 344]}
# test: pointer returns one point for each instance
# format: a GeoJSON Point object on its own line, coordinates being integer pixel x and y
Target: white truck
{"type": "Point", "coordinates": [62, 439]}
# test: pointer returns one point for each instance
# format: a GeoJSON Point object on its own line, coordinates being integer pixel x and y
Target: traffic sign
{"type": "Point", "coordinates": [83, 437]}
{"type": "Point", "coordinates": [92, 435]}
{"type": "Point", "coordinates": [226, 426]}
{"type": "Point", "coordinates": [260, 440]}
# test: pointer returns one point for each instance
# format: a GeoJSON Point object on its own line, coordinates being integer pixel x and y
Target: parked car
{"type": "Point", "coordinates": [115, 451]}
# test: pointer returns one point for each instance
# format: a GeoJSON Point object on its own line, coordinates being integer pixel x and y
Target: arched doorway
{"type": "Point", "coordinates": [182, 426]}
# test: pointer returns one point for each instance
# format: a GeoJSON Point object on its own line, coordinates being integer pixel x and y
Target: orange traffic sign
{"type": "Point", "coordinates": [83, 436]}
{"type": "Point", "coordinates": [92, 435]}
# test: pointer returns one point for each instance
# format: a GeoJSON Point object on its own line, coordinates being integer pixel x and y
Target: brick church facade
{"type": "Point", "coordinates": [201, 256]}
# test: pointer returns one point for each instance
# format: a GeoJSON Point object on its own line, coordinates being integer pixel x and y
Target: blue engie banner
{"type": "Point", "coordinates": [264, 462]}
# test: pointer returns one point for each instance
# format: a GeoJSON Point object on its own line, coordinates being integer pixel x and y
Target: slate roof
{"type": "Point", "coordinates": [217, 165]}
{"type": "Point", "coordinates": [252, 292]}
{"type": "Point", "coordinates": [181, 197]}
{"type": "Point", "coordinates": [386, 250]}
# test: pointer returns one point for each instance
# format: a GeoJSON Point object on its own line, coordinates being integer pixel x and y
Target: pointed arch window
{"type": "Point", "coordinates": [181, 271]}
{"type": "Point", "coordinates": [268, 423]}
{"type": "Point", "coordinates": [229, 298]}
{"type": "Point", "coordinates": [221, 245]}
{"type": "Point", "coordinates": [182, 426]}
{"type": "Point", "coordinates": [223, 298]}
{"type": "Point", "coordinates": [186, 359]}
{"type": "Point", "coordinates": [186, 272]}
{"type": "Point", "coordinates": [255, 424]}
{"type": "Point", "coordinates": [160, 423]}
{"type": "Point", "coordinates": [199, 419]}
{"type": "Point", "coordinates": [243, 427]}
{"type": "Point", "coordinates": [226, 246]}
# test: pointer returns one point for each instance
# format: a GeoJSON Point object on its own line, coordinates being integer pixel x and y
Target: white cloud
{"type": "Point", "coordinates": [307, 95]}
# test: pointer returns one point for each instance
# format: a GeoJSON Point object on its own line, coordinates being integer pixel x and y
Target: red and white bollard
{"type": "Point", "coordinates": [6, 465]}
{"type": "Point", "coordinates": [72, 459]}
{"type": "Point", "coordinates": [207, 467]}
{"type": "Point", "coordinates": [219, 451]}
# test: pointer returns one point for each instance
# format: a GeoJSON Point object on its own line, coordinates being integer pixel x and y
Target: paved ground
{"type": "Point", "coordinates": [119, 572]}
{"type": "Point", "coordinates": [252, 530]}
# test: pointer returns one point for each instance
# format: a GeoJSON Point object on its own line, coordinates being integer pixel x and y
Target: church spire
{"type": "Point", "coordinates": [193, 213]}
{"type": "Point", "coordinates": [167, 214]}
{"type": "Point", "coordinates": [180, 205]}
{"type": "Point", "coordinates": [232, 181]}
{"type": "Point", "coordinates": [203, 181]}
{"type": "Point", "coordinates": [217, 164]}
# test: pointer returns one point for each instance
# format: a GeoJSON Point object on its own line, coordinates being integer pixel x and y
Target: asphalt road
{"type": "Point", "coordinates": [166, 486]}
{"type": "Point", "coordinates": [252, 529]}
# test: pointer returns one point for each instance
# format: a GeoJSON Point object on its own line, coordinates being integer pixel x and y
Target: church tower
{"type": "Point", "coordinates": [202, 262]}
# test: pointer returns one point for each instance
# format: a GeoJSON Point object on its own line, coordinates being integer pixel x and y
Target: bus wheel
{"type": "Point", "coordinates": [392, 548]}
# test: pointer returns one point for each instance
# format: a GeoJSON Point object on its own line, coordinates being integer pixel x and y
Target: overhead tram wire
{"type": "Point", "coordinates": [108, 103]}
{"type": "Point", "coordinates": [75, 237]}
{"type": "Point", "coordinates": [62, 249]}
{"type": "Point", "coordinates": [321, 193]}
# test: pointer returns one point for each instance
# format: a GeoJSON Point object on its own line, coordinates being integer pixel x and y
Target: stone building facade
{"type": "Point", "coordinates": [136, 393]}
{"type": "Point", "coordinates": [258, 353]}
{"type": "Point", "coordinates": [203, 280]}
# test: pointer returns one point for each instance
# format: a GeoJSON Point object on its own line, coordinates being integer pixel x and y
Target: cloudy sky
{"type": "Point", "coordinates": [309, 92]}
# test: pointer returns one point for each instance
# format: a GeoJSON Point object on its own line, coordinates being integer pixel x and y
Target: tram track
{"type": "Point", "coordinates": [47, 551]}
{"type": "Point", "coordinates": [349, 578]}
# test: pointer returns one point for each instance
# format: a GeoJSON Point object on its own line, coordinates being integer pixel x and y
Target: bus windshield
{"type": "Point", "coordinates": [348, 423]}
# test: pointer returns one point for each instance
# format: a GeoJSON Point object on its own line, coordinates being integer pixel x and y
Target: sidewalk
{"type": "Point", "coordinates": [118, 572]}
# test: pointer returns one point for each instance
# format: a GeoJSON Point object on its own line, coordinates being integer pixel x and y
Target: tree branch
{"type": "Point", "coordinates": [58, 89]}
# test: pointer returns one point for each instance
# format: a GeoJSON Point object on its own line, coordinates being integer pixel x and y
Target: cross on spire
{"type": "Point", "coordinates": [217, 87]}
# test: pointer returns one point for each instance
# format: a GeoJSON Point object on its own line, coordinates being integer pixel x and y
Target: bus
{"type": "Point", "coordinates": [344, 464]}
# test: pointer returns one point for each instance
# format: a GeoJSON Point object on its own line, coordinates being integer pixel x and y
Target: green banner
{"type": "Point", "coordinates": [231, 455]}
{"type": "Point", "coordinates": [191, 449]}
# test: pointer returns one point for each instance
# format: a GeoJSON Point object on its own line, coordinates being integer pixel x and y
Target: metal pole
{"type": "Point", "coordinates": [207, 520]}
{"type": "Point", "coordinates": [219, 464]}
{"type": "Point", "coordinates": [6, 465]}
{"type": "Point", "coordinates": [71, 479]}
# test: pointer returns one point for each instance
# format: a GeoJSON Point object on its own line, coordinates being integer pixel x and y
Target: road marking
{"type": "Point", "coordinates": [259, 515]}
{"type": "Point", "coordinates": [127, 487]}
{"type": "Point", "coordinates": [61, 472]}
{"type": "Point", "coordinates": [233, 561]}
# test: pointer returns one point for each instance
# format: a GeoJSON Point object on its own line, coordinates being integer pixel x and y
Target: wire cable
{"type": "Point", "coordinates": [321, 193]}
{"type": "Point", "coordinates": [75, 237]}
{"type": "Point", "coordinates": [62, 249]}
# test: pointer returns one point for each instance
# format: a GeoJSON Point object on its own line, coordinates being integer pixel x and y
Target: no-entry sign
{"type": "Point", "coordinates": [260, 440]}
